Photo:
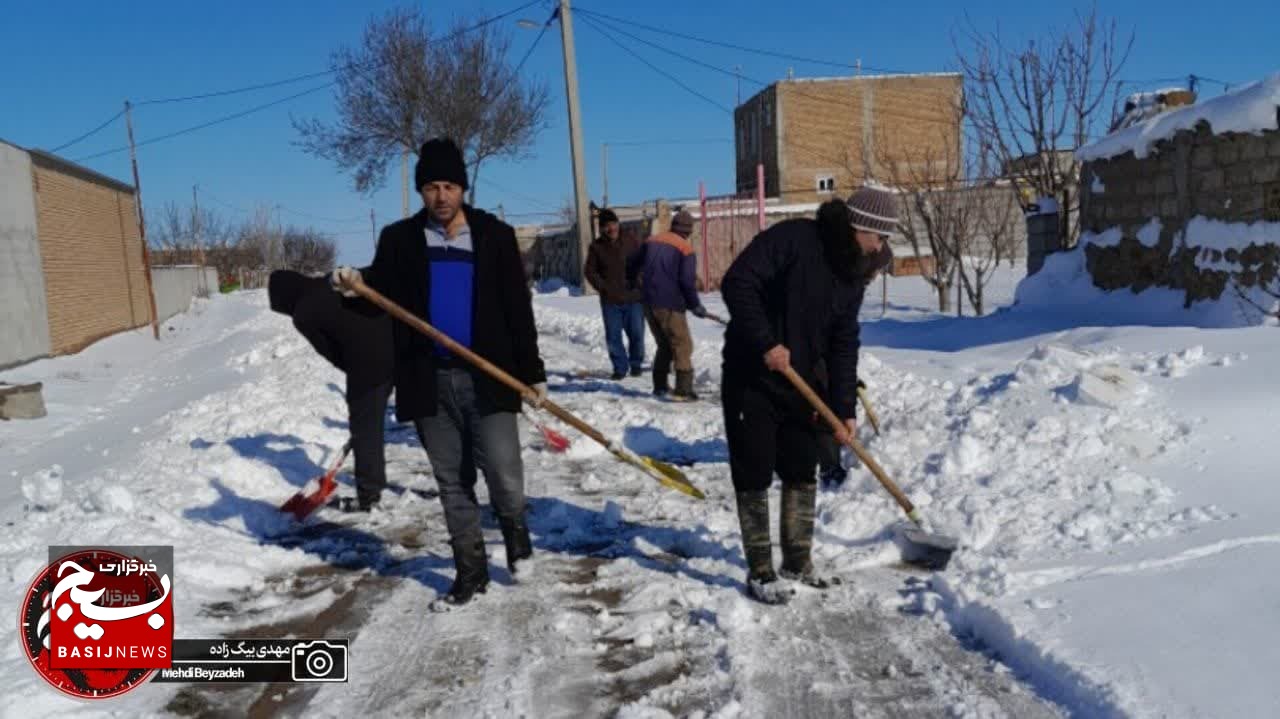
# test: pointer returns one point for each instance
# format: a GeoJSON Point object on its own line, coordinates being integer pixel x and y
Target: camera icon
{"type": "Point", "coordinates": [319, 661]}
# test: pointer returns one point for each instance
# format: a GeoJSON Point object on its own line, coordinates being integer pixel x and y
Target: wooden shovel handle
{"type": "Point", "coordinates": [871, 413]}
{"type": "Point", "coordinates": [837, 426]}
{"type": "Point", "coordinates": [481, 363]}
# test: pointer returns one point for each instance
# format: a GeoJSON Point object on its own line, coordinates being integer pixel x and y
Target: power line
{"type": "Point", "coordinates": [599, 27]}
{"type": "Point", "coordinates": [90, 133]}
{"type": "Point", "coordinates": [322, 73]}
{"type": "Point", "coordinates": [731, 73]}
{"type": "Point", "coordinates": [520, 65]}
{"type": "Point", "coordinates": [650, 143]}
{"type": "Point", "coordinates": [285, 208]}
{"type": "Point", "coordinates": [527, 198]}
{"type": "Point", "coordinates": [211, 123]}
{"type": "Point", "coordinates": [743, 48]}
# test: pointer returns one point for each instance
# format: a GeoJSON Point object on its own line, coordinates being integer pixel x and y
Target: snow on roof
{"type": "Point", "coordinates": [1251, 108]}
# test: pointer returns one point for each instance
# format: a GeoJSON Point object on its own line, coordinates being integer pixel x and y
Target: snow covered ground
{"type": "Point", "coordinates": [1109, 482]}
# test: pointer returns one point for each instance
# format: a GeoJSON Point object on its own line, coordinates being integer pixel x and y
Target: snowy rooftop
{"type": "Point", "coordinates": [1251, 108]}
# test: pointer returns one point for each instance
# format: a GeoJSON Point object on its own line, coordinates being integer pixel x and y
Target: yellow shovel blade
{"type": "Point", "coordinates": [666, 474]}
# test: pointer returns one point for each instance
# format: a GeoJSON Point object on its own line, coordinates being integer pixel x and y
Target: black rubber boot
{"type": "Point", "coordinates": [472, 575]}
{"type": "Point", "coordinates": [753, 516]}
{"type": "Point", "coordinates": [798, 505]}
{"type": "Point", "coordinates": [660, 386]}
{"type": "Point", "coordinates": [684, 386]}
{"type": "Point", "coordinates": [515, 536]}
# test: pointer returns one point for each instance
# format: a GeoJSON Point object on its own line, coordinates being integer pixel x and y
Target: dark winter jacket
{"type": "Point", "coordinates": [800, 287]}
{"type": "Point", "coordinates": [668, 267]}
{"type": "Point", "coordinates": [606, 270]}
{"type": "Point", "coordinates": [352, 334]}
{"type": "Point", "coordinates": [502, 328]}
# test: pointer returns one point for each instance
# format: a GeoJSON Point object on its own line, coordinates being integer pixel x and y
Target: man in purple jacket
{"type": "Point", "coordinates": [669, 267]}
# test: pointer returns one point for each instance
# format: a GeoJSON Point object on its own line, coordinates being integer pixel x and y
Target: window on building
{"type": "Point", "coordinates": [826, 183]}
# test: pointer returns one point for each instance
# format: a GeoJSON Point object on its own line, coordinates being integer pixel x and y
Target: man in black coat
{"type": "Point", "coordinates": [794, 295]}
{"type": "Point", "coordinates": [355, 337]}
{"type": "Point", "coordinates": [459, 269]}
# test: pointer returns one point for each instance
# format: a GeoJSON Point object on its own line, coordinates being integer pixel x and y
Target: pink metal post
{"type": "Point", "coordinates": [706, 258]}
{"type": "Point", "coordinates": [760, 193]}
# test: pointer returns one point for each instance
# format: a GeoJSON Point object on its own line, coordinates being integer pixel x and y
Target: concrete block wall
{"type": "Point", "coordinates": [175, 287]}
{"type": "Point", "coordinates": [1230, 177]}
{"type": "Point", "coordinates": [24, 316]}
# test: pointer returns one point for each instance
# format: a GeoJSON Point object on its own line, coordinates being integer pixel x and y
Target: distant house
{"type": "Point", "coordinates": [823, 137]}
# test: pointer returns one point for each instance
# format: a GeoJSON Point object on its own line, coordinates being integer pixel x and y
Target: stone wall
{"type": "Point", "coordinates": [1230, 177]}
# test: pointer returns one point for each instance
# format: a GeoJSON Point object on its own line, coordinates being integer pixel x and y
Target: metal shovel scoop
{"type": "Point", "coordinates": [919, 545]}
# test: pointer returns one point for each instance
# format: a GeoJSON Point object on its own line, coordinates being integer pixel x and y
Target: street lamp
{"type": "Point", "coordinates": [581, 200]}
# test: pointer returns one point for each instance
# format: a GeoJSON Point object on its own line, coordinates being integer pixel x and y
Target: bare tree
{"type": "Point", "coordinates": [477, 98]}
{"type": "Point", "coordinates": [934, 215]}
{"type": "Point", "coordinates": [1037, 102]}
{"type": "Point", "coordinates": [307, 250]}
{"type": "Point", "coordinates": [262, 237]}
{"type": "Point", "coordinates": [991, 217]}
{"type": "Point", "coordinates": [176, 227]}
{"type": "Point", "coordinates": [400, 87]}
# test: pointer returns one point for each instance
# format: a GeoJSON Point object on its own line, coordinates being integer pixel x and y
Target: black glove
{"type": "Point", "coordinates": [699, 311]}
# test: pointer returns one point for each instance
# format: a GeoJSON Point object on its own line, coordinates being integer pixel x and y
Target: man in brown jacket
{"type": "Point", "coordinates": [606, 270]}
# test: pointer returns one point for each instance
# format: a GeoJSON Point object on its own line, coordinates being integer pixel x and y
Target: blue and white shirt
{"type": "Point", "coordinates": [451, 264]}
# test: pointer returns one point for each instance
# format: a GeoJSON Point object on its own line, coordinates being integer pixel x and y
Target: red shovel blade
{"type": "Point", "coordinates": [304, 502]}
{"type": "Point", "coordinates": [556, 442]}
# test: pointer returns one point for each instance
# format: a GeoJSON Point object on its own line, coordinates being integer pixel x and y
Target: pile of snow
{"type": "Point", "coordinates": [1251, 108]}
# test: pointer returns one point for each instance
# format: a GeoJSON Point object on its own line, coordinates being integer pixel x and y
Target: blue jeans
{"type": "Point", "coordinates": [628, 318]}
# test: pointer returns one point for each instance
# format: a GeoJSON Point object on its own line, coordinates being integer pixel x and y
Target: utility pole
{"type": "Point", "coordinates": [604, 171]}
{"type": "Point", "coordinates": [373, 229]}
{"type": "Point", "coordinates": [737, 74]}
{"type": "Point", "coordinates": [502, 213]}
{"type": "Point", "coordinates": [404, 182]}
{"type": "Point", "coordinates": [142, 223]}
{"type": "Point", "coordinates": [575, 137]}
{"type": "Point", "coordinates": [195, 230]}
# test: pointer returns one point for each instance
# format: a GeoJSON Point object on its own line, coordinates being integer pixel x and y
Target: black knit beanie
{"type": "Point", "coordinates": [440, 159]}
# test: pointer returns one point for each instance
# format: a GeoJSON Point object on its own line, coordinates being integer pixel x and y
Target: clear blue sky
{"type": "Point", "coordinates": [68, 67]}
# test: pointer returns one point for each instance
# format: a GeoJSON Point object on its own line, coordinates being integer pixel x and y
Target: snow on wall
{"type": "Point", "coordinates": [1250, 109]}
{"type": "Point", "coordinates": [1066, 284]}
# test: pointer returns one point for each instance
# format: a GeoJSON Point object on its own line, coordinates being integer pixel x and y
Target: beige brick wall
{"type": "Point", "coordinates": [844, 127]}
{"type": "Point", "coordinates": [91, 251]}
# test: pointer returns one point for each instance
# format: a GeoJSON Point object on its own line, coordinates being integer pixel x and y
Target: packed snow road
{"type": "Point", "coordinates": [633, 605]}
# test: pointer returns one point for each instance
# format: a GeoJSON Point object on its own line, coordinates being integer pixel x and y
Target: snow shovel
{"type": "Point", "coordinates": [664, 473]}
{"type": "Point", "coordinates": [919, 545]}
{"type": "Point", "coordinates": [304, 502]}
{"type": "Point", "coordinates": [556, 442]}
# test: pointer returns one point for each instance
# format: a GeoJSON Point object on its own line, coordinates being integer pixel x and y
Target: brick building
{"type": "Point", "coordinates": [74, 268]}
{"type": "Point", "coordinates": [822, 137]}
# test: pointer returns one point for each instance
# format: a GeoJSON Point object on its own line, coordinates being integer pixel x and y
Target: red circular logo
{"type": "Point", "coordinates": [35, 622]}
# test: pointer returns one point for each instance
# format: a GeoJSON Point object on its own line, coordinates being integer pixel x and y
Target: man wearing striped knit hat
{"type": "Point", "coordinates": [793, 297]}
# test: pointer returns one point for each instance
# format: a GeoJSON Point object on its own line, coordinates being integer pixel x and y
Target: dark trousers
{"type": "Point", "coordinates": [366, 415]}
{"type": "Point", "coordinates": [467, 434]}
{"type": "Point", "coordinates": [670, 330]}
{"type": "Point", "coordinates": [765, 437]}
{"type": "Point", "coordinates": [629, 319]}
